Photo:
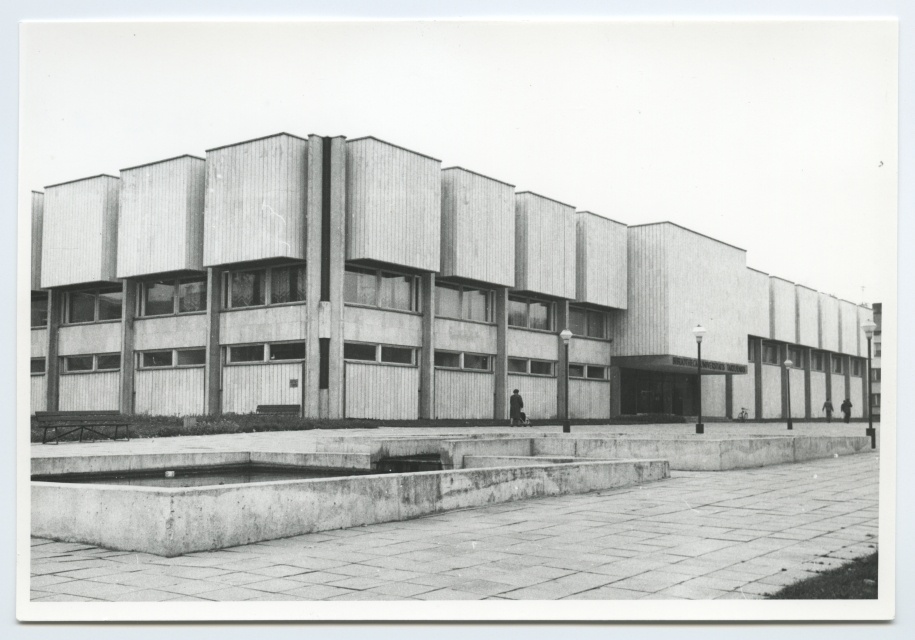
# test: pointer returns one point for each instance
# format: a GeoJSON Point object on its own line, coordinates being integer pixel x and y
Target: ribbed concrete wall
{"type": "Point", "coordinates": [539, 395]}
{"type": "Point", "coordinates": [246, 386]}
{"type": "Point", "coordinates": [829, 322]}
{"type": "Point", "coordinates": [756, 304]}
{"type": "Point", "coordinates": [808, 317]}
{"type": "Point", "coordinates": [857, 397]}
{"type": "Point", "coordinates": [171, 392]}
{"type": "Point", "coordinates": [714, 400]}
{"type": "Point", "coordinates": [37, 223]}
{"type": "Point", "coordinates": [38, 392]}
{"type": "Point", "coordinates": [104, 337]}
{"type": "Point", "coordinates": [90, 391]}
{"type": "Point", "coordinates": [463, 394]}
{"type": "Point", "coordinates": [170, 332]}
{"type": "Point", "coordinates": [545, 245]}
{"type": "Point", "coordinates": [269, 324]}
{"type": "Point", "coordinates": [783, 310]}
{"type": "Point", "coordinates": [601, 261]}
{"type": "Point", "coordinates": [818, 394]}
{"type": "Point", "coordinates": [382, 392]}
{"type": "Point", "coordinates": [797, 393]}
{"type": "Point", "coordinates": [772, 391]}
{"type": "Point", "coordinates": [848, 324]}
{"type": "Point", "coordinates": [744, 390]}
{"type": "Point", "coordinates": [589, 399]}
{"type": "Point", "coordinates": [838, 391]}
{"type": "Point", "coordinates": [39, 343]}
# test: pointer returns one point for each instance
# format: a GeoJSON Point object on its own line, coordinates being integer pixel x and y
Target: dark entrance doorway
{"type": "Point", "coordinates": [657, 392]}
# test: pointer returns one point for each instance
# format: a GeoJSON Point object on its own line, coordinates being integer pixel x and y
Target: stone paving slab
{"type": "Point", "coordinates": [693, 536]}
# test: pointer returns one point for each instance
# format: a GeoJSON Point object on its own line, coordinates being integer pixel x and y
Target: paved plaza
{"type": "Point", "coordinates": [698, 535]}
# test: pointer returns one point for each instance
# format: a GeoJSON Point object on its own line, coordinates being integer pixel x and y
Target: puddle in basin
{"type": "Point", "coordinates": [204, 476]}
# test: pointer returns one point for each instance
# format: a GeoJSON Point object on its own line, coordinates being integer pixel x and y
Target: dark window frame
{"type": "Point", "coordinates": [379, 274]}
{"type": "Point", "coordinates": [175, 283]}
{"type": "Point", "coordinates": [378, 354]}
{"type": "Point", "coordinates": [267, 285]}
{"type": "Point", "coordinates": [65, 369]}
{"type": "Point", "coordinates": [47, 304]}
{"type": "Point", "coordinates": [174, 358]}
{"type": "Point", "coordinates": [605, 322]}
{"type": "Point", "coordinates": [461, 289]}
{"type": "Point", "coordinates": [586, 370]}
{"type": "Point", "coordinates": [96, 293]}
{"type": "Point", "coordinates": [551, 307]}
{"type": "Point", "coordinates": [44, 366]}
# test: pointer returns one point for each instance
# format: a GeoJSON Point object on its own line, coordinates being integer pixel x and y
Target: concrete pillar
{"type": "Point", "coordinates": [335, 238]}
{"type": "Point", "coordinates": [427, 351]}
{"type": "Point", "coordinates": [847, 368]}
{"type": "Point", "coordinates": [615, 392]}
{"type": "Point", "coordinates": [758, 383]}
{"type": "Point", "coordinates": [562, 380]}
{"type": "Point", "coordinates": [314, 275]}
{"type": "Point", "coordinates": [213, 368]}
{"type": "Point", "coordinates": [729, 395]}
{"type": "Point", "coordinates": [52, 363]}
{"type": "Point", "coordinates": [128, 359]}
{"type": "Point", "coordinates": [808, 410]}
{"type": "Point", "coordinates": [827, 362]}
{"type": "Point", "coordinates": [501, 392]}
{"type": "Point", "coordinates": [782, 356]}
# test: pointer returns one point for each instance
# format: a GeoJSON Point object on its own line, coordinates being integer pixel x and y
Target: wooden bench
{"type": "Point", "coordinates": [82, 421]}
{"type": "Point", "coordinates": [278, 409]}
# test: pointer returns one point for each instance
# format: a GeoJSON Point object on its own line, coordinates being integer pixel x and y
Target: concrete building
{"type": "Point", "coordinates": [356, 278]}
{"type": "Point", "coordinates": [876, 354]}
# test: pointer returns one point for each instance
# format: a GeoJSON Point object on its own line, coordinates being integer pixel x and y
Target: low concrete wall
{"type": "Point", "coordinates": [481, 462]}
{"type": "Point", "coordinates": [173, 522]}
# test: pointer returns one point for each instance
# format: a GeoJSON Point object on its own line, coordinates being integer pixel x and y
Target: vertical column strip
{"type": "Point", "coordinates": [128, 360]}
{"type": "Point", "coordinates": [500, 386]}
{"type": "Point", "coordinates": [213, 376]}
{"type": "Point", "coordinates": [427, 351]}
{"type": "Point", "coordinates": [52, 362]}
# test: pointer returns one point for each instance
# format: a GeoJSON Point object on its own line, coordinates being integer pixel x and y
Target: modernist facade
{"type": "Point", "coordinates": [355, 278]}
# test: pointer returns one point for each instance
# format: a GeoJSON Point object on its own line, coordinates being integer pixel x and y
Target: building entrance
{"type": "Point", "coordinates": [657, 392]}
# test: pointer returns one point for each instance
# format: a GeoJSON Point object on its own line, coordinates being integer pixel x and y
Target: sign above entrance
{"type": "Point", "coordinates": [679, 364]}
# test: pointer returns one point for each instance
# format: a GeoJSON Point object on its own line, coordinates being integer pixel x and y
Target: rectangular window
{"type": "Point", "coordinates": [875, 400]}
{"type": "Point", "coordinates": [39, 309]}
{"type": "Point", "coordinates": [396, 292]}
{"type": "Point", "coordinates": [475, 305]}
{"type": "Point", "coordinates": [837, 364]}
{"type": "Point", "coordinates": [287, 284]}
{"type": "Point", "coordinates": [752, 351]}
{"type": "Point", "coordinates": [192, 295]}
{"type": "Point", "coordinates": [517, 312]}
{"type": "Point", "coordinates": [447, 359]}
{"type": "Point", "coordinates": [541, 368]}
{"type": "Point", "coordinates": [517, 365]}
{"type": "Point", "coordinates": [576, 371]}
{"type": "Point", "coordinates": [109, 362]}
{"type": "Point", "coordinates": [78, 363]}
{"type": "Point", "coordinates": [770, 353]}
{"type": "Point", "coordinates": [360, 287]}
{"type": "Point", "coordinates": [877, 351]}
{"type": "Point", "coordinates": [578, 321]}
{"type": "Point", "coordinates": [80, 307]}
{"type": "Point", "coordinates": [541, 315]}
{"type": "Point", "coordinates": [247, 289]}
{"type": "Point", "coordinates": [287, 351]}
{"type": "Point", "coordinates": [109, 304]}
{"type": "Point", "coordinates": [191, 357]}
{"type": "Point", "coordinates": [447, 301]}
{"type": "Point", "coordinates": [397, 355]}
{"type": "Point", "coordinates": [596, 325]}
{"type": "Point", "coordinates": [856, 367]}
{"type": "Point", "coordinates": [796, 356]}
{"type": "Point", "coordinates": [37, 365]}
{"type": "Point", "coordinates": [359, 351]}
{"type": "Point", "coordinates": [597, 373]}
{"type": "Point", "coordinates": [476, 362]}
{"type": "Point", "coordinates": [247, 353]}
{"type": "Point", "coordinates": [587, 323]}
{"type": "Point", "coordinates": [158, 298]}
{"type": "Point", "coordinates": [817, 362]}
{"type": "Point", "coordinates": [875, 375]}
{"type": "Point", "coordinates": [156, 359]}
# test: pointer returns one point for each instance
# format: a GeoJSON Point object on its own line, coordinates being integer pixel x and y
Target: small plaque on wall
{"type": "Point", "coordinates": [293, 383]}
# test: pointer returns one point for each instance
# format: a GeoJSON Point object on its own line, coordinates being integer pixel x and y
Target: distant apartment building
{"type": "Point", "coordinates": [356, 278]}
{"type": "Point", "coordinates": [877, 351]}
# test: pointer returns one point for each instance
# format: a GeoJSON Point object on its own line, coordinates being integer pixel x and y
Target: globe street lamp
{"type": "Point", "coordinates": [566, 335]}
{"type": "Point", "coordinates": [869, 328]}
{"type": "Point", "coordinates": [788, 365]}
{"type": "Point", "coordinates": [699, 332]}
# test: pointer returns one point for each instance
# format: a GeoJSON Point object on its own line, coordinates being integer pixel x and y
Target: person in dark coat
{"type": "Point", "coordinates": [846, 409]}
{"type": "Point", "coordinates": [515, 404]}
{"type": "Point", "coordinates": [827, 407]}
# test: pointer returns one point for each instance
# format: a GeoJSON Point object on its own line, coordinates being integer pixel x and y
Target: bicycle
{"type": "Point", "coordinates": [743, 415]}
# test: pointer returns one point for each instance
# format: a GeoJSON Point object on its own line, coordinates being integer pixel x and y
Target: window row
{"type": "Point", "coordinates": [532, 367]}
{"type": "Point", "coordinates": [463, 303]}
{"type": "Point", "coordinates": [383, 289]}
{"type": "Point", "coordinates": [267, 352]}
{"type": "Point", "coordinates": [797, 355]}
{"type": "Point", "coordinates": [587, 323]}
{"type": "Point", "coordinates": [88, 363]}
{"type": "Point", "coordinates": [459, 360]}
{"type": "Point", "coordinates": [589, 371]}
{"type": "Point", "coordinates": [166, 358]}
{"type": "Point", "coordinates": [387, 354]}
{"type": "Point", "coordinates": [529, 313]}
{"type": "Point", "coordinates": [265, 286]}
{"type": "Point", "coordinates": [173, 295]}
{"type": "Point", "coordinates": [93, 305]}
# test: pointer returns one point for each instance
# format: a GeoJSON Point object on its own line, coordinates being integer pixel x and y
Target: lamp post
{"type": "Point", "coordinates": [869, 328]}
{"type": "Point", "coordinates": [566, 335]}
{"type": "Point", "coordinates": [788, 364]}
{"type": "Point", "coordinates": [699, 332]}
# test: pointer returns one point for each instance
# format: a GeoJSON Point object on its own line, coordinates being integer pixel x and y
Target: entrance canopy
{"type": "Point", "coordinates": [678, 364]}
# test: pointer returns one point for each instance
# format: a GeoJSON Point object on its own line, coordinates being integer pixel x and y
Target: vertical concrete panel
{"type": "Point", "coordinates": [829, 322]}
{"type": "Point", "coordinates": [478, 228]}
{"type": "Point", "coordinates": [714, 399]}
{"type": "Point", "coordinates": [213, 374]}
{"type": "Point", "coordinates": [37, 222]}
{"type": "Point", "coordinates": [756, 303]}
{"type": "Point", "coordinates": [848, 323]}
{"type": "Point", "coordinates": [100, 337]}
{"type": "Point", "coordinates": [783, 310]}
{"type": "Point", "coordinates": [336, 265]}
{"type": "Point", "coordinates": [772, 391]}
{"type": "Point", "coordinates": [393, 205]}
{"type": "Point", "coordinates": [38, 391]}
{"type": "Point", "coordinates": [255, 201]}
{"type": "Point", "coordinates": [601, 261]}
{"type": "Point", "coordinates": [500, 365]}
{"type": "Point", "coordinates": [744, 392]}
{"type": "Point", "coordinates": [643, 328]}
{"type": "Point", "coordinates": [317, 263]}
{"type": "Point", "coordinates": [128, 334]}
{"type": "Point", "coordinates": [382, 392]}
{"type": "Point", "coordinates": [798, 404]}
{"type": "Point", "coordinates": [807, 316]}
{"type": "Point", "coordinates": [39, 343]}
{"type": "Point", "coordinates": [90, 391]}
{"type": "Point", "coordinates": [545, 245]}
{"type": "Point", "coordinates": [589, 399]}
{"type": "Point", "coordinates": [246, 386]}
{"type": "Point", "coordinates": [160, 220]}
{"type": "Point", "coordinates": [857, 393]}
{"type": "Point", "coordinates": [79, 232]}
{"type": "Point", "coordinates": [427, 351]}
{"type": "Point", "coordinates": [817, 394]}
{"type": "Point", "coordinates": [539, 395]}
{"type": "Point", "coordinates": [463, 394]}
{"type": "Point", "coordinates": [170, 332]}
{"type": "Point", "coordinates": [838, 390]}
{"type": "Point", "coordinates": [170, 392]}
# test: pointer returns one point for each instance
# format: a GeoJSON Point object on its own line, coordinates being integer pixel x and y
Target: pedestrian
{"type": "Point", "coordinates": [846, 409]}
{"type": "Point", "coordinates": [516, 403]}
{"type": "Point", "coordinates": [827, 407]}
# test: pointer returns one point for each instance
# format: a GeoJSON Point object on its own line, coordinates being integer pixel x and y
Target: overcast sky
{"type": "Point", "coordinates": [777, 137]}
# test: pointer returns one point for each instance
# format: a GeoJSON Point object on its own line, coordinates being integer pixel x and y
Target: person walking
{"type": "Point", "coordinates": [516, 403]}
{"type": "Point", "coordinates": [827, 407]}
{"type": "Point", "coordinates": [846, 409]}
